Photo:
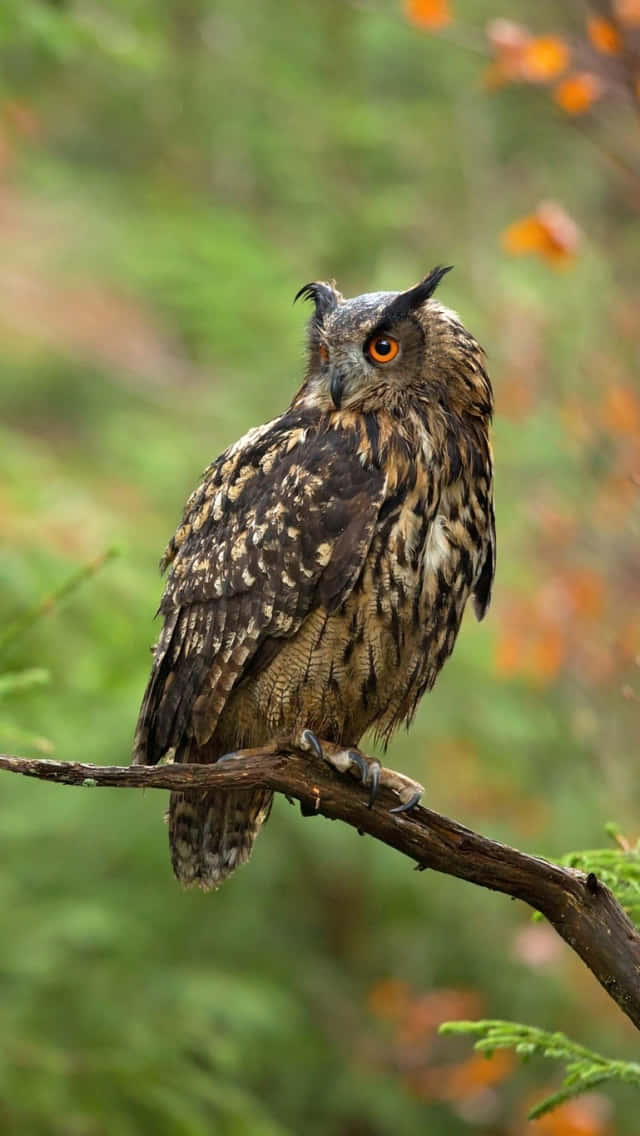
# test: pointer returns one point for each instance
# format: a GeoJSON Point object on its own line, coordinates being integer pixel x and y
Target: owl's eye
{"type": "Point", "coordinates": [382, 348]}
{"type": "Point", "coordinates": [323, 353]}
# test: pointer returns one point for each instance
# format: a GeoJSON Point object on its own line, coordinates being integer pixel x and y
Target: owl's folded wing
{"type": "Point", "coordinates": [281, 524]}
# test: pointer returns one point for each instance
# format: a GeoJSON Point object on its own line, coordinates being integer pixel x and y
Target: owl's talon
{"type": "Point", "coordinates": [408, 805]}
{"type": "Point", "coordinates": [307, 810]}
{"type": "Point", "coordinates": [358, 760]}
{"type": "Point", "coordinates": [309, 741]}
{"type": "Point", "coordinates": [368, 770]}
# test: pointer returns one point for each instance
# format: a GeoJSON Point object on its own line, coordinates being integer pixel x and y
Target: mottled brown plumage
{"type": "Point", "coordinates": [321, 570]}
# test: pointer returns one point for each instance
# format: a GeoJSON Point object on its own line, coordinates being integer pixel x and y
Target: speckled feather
{"type": "Point", "coordinates": [320, 573]}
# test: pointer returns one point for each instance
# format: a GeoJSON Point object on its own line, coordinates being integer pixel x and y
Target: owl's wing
{"type": "Point", "coordinates": [280, 525]}
{"type": "Point", "coordinates": [484, 584]}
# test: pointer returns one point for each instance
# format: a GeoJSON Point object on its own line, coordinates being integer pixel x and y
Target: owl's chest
{"type": "Point", "coordinates": [412, 551]}
{"type": "Point", "coordinates": [410, 598]}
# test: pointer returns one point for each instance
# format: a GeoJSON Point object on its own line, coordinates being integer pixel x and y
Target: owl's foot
{"type": "Point", "coordinates": [368, 770]}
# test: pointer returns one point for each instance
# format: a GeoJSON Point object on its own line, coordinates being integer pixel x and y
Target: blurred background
{"type": "Point", "coordinates": [171, 172]}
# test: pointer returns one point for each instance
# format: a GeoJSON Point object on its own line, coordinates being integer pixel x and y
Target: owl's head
{"type": "Point", "coordinates": [383, 349]}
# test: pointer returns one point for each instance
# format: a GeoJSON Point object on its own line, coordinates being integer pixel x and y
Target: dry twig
{"type": "Point", "coordinates": [582, 910]}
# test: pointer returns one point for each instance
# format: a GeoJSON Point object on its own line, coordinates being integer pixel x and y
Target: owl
{"type": "Point", "coordinates": [319, 575]}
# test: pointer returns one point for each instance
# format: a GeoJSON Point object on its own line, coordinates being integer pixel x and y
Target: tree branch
{"type": "Point", "coordinates": [582, 910]}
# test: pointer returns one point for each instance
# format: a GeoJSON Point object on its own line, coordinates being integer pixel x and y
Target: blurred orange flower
{"type": "Point", "coordinates": [545, 630]}
{"type": "Point", "coordinates": [585, 590]}
{"type": "Point", "coordinates": [621, 411]}
{"type": "Point", "coordinates": [468, 1079]}
{"type": "Point", "coordinates": [389, 998]}
{"type": "Point", "coordinates": [417, 1014]}
{"type": "Point", "coordinates": [549, 232]}
{"type": "Point", "coordinates": [578, 92]}
{"type": "Point", "coordinates": [604, 35]}
{"type": "Point", "coordinates": [544, 57]}
{"type": "Point", "coordinates": [628, 12]}
{"type": "Point", "coordinates": [519, 56]}
{"type": "Point", "coordinates": [584, 1116]}
{"type": "Point", "coordinates": [429, 14]}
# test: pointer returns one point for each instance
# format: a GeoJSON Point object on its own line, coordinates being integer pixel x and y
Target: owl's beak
{"type": "Point", "coordinates": [336, 387]}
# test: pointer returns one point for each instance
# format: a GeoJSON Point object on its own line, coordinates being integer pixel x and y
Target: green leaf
{"type": "Point", "coordinates": [23, 680]}
{"type": "Point", "coordinates": [585, 1069]}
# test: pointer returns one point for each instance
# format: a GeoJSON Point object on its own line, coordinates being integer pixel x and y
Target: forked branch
{"type": "Point", "coordinates": [582, 910]}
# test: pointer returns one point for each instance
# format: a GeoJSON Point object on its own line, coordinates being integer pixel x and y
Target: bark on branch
{"type": "Point", "coordinates": [582, 910]}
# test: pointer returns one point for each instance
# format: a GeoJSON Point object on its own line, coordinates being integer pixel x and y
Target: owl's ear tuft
{"type": "Point", "coordinates": [324, 296]}
{"type": "Point", "coordinates": [408, 301]}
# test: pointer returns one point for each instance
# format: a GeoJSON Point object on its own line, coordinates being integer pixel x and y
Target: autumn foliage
{"type": "Point", "coordinates": [169, 175]}
{"type": "Point", "coordinates": [553, 627]}
{"type": "Point", "coordinates": [600, 64]}
{"type": "Point", "coordinates": [573, 616]}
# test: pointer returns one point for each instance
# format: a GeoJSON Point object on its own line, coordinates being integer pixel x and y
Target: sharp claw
{"type": "Point", "coordinates": [407, 805]}
{"type": "Point", "coordinates": [359, 760]}
{"type": "Point", "coordinates": [374, 772]}
{"type": "Point", "coordinates": [310, 740]}
{"type": "Point", "coordinates": [309, 810]}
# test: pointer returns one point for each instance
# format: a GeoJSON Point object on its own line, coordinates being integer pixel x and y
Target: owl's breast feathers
{"type": "Point", "coordinates": [380, 526]}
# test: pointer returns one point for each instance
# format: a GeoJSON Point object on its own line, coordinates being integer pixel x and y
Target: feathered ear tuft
{"type": "Point", "coordinates": [408, 301]}
{"type": "Point", "coordinates": [324, 296]}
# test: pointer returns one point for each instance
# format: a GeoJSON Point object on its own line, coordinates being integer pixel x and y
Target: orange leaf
{"type": "Point", "coordinates": [628, 12]}
{"type": "Point", "coordinates": [508, 655]}
{"type": "Point", "coordinates": [476, 1074]}
{"type": "Point", "coordinates": [389, 999]}
{"type": "Point", "coordinates": [530, 646]}
{"type": "Point", "coordinates": [549, 232]}
{"type": "Point", "coordinates": [585, 1116]}
{"type": "Point", "coordinates": [578, 92]}
{"type": "Point", "coordinates": [519, 56]}
{"type": "Point", "coordinates": [516, 398]}
{"type": "Point", "coordinates": [544, 57]}
{"type": "Point", "coordinates": [428, 14]}
{"type": "Point", "coordinates": [621, 411]}
{"type": "Point", "coordinates": [586, 589]}
{"type": "Point", "coordinates": [547, 655]}
{"type": "Point", "coordinates": [604, 35]}
{"type": "Point", "coordinates": [424, 1012]}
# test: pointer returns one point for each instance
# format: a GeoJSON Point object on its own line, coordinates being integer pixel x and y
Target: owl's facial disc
{"type": "Point", "coordinates": [365, 350]}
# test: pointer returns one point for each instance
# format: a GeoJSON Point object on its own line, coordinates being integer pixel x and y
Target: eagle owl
{"type": "Point", "coordinates": [321, 569]}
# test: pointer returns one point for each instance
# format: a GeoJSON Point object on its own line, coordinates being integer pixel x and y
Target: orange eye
{"type": "Point", "coordinates": [323, 353]}
{"type": "Point", "coordinates": [382, 348]}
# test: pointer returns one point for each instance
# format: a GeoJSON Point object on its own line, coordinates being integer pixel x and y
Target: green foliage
{"type": "Point", "coordinates": [22, 680]}
{"type": "Point", "coordinates": [172, 171]}
{"type": "Point", "coordinates": [618, 868]}
{"type": "Point", "coordinates": [42, 607]}
{"type": "Point", "coordinates": [13, 683]}
{"type": "Point", "coordinates": [585, 1069]}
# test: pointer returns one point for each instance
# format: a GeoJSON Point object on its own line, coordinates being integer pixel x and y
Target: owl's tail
{"type": "Point", "coordinates": [211, 834]}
